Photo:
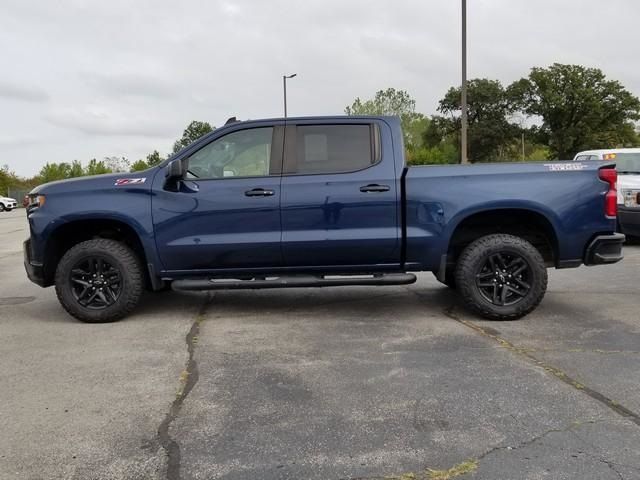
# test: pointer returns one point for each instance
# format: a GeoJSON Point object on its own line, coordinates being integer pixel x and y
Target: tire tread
{"type": "Point", "coordinates": [464, 272]}
{"type": "Point", "coordinates": [132, 292]}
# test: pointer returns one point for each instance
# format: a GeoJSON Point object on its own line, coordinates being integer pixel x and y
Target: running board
{"type": "Point", "coordinates": [293, 281]}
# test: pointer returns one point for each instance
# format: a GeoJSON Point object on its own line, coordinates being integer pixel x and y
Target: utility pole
{"type": "Point", "coordinates": [284, 87]}
{"type": "Point", "coordinates": [463, 100]}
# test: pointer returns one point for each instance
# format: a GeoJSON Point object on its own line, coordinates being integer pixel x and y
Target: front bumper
{"type": "Point", "coordinates": [604, 249]}
{"type": "Point", "coordinates": [35, 271]}
{"type": "Point", "coordinates": [10, 205]}
{"type": "Point", "coordinates": [629, 220]}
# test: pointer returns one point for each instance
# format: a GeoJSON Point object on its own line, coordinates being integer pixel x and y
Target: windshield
{"type": "Point", "coordinates": [627, 162]}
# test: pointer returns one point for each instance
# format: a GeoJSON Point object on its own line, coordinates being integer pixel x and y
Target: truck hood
{"type": "Point", "coordinates": [109, 180]}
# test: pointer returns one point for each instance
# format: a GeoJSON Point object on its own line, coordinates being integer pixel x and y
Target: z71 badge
{"type": "Point", "coordinates": [129, 181]}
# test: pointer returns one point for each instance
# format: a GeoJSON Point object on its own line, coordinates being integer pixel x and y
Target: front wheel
{"type": "Point", "coordinates": [501, 277]}
{"type": "Point", "coordinates": [1, 207]}
{"type": "Point", "coordinates": [99, 280]}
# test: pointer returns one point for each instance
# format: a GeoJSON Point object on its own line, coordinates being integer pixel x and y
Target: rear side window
{"type": "Point", "coordinates": [334, 148]}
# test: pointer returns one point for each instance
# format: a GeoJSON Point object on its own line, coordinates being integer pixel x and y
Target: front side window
{"type": "Point", "coordinates": [245, 153]}
{"type": "Point", "coordinates": [333, 148]}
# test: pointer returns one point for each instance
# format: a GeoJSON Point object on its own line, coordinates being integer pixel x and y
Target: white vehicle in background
{"type": "Point", "coordinates": [7, 204]}
{"type": "Point", "coordinates": [627, 162]}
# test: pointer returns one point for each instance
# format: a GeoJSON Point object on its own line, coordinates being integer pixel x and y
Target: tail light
{"type": "Point", "coordinates": [609, 175]}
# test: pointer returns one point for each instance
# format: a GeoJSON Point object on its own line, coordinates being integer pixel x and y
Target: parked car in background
{"type": "Point", "coordinates": [627, 162]}
{"type": "Point", "coordinates": [7, 204]}
{"type": "Point", "coordinates": [318, 202]}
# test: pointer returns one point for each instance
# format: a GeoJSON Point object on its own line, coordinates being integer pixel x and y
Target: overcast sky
{"type": "Point", "coordinates": [83, 79]}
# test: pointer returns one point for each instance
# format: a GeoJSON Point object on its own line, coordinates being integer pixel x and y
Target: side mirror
{"type": "Point", "coordinates": [175, 170]}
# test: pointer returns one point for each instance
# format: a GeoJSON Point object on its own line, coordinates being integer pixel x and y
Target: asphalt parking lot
{"type": "Point", "coordinates": [334, 383]}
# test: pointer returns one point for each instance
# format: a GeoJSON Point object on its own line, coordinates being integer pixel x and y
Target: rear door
{"type": "Point", "coordinates": [340, 197]}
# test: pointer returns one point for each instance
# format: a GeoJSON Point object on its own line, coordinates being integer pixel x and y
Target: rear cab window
{"type": "Point", "coordinates": [327, 149]}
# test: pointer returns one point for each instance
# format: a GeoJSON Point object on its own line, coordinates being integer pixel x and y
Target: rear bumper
{"type": "Point", "coordinates": [34, 270]}
{"type": "Point", "coordinates": [629, 220]}
{"type": "Point", "coordinates": [604, 249]}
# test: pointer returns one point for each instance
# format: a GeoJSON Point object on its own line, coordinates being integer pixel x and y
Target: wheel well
{"type": "Point", "coordinates": [531, 226]}
{"type": "Point", "coordinates": [72, 233]}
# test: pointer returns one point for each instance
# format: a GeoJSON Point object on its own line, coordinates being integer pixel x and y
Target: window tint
{"type": "Point", "coordinates": [582, 158]}
{"type": "Point", "coordinates": [245, 153]}
{"type": "Point", "coordinates": [333, 148]}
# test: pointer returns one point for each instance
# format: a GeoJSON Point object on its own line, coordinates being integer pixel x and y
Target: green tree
{"type": "Point", "coordinates": [139, 165]}
{"type": "Point", "coordinates": [54, 171]}
{"type": "Point", "coordinates": [394, 102]}
{"type": "Point", "coordinates": [488, 112]}
{"type": "Point", "coordinates": [75, 169]}
{"type": "Point", "coordinates": [6, 179]}
{"type": "Point", "coordinates": [95, 167]}
{"type": "Point", "coordinates": [154, 159]}
{"type": "Point", "coordinates": [194, 131]}
{"type": "Point", "coordinates": [579, 107]}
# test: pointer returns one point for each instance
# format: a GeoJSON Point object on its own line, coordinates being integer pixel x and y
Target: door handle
{"type": "Point", "coordinates": [259, 192]}
{"type": "Point", "coordinates": [374, 188]}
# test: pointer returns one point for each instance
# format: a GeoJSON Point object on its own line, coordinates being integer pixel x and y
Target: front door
{"type": "Point", "coordinates": [225, 214]}
{"type": "Point", "coordinates": [339, 198]}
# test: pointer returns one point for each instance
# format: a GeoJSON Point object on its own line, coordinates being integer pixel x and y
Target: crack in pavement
{"type": "Point", "coordinates": [570, 429]}
{"type": "Point", "coordinates": [555, 371]}
{"type": "Point", "coordinates": [188, 380]}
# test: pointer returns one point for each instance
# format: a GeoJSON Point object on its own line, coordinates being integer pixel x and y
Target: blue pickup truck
{"type": "Point", "coordinates": [313, 202]}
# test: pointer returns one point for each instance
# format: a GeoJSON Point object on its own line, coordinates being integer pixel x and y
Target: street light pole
{"type": "Point", "coordinates": [284, 87]}
{"type": "Point", "coordinates": [463, 100]}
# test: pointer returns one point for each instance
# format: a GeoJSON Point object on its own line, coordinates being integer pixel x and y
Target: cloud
{"type": "Point", "coordinates": [12, 91]}
{"type": "Point", "coordinates": [7, 141]}
{"type": "Point", "coordinates": [113, 77]}
{"type": "Point", "coordinates": [96, 121]}
{"type": "Point", "coordinates": [132, 84]}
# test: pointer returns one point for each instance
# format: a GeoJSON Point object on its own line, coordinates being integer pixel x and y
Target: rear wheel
{"type": "Point", "coordinates": [501, 277]}
{"type": "Point", "coordinates": [99, 280]}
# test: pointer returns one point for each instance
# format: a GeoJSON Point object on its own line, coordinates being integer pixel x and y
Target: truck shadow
{"type": "Point", "coordinates": [276, 305]}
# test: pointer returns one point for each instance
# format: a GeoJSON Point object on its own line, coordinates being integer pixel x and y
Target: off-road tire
{"type": "Point", "coordinates": [475, 256]}
{"type": "Point", "coordinates": [121, 257]}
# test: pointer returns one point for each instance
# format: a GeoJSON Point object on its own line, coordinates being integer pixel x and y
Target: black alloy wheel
{"type": "Point", "coordinates": [95, 283]}
{"type": "Point", "coordinates": [504, 279]}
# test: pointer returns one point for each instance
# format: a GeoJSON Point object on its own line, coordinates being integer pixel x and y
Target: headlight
{"type": "Point", "coordinates": [37, 201]}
